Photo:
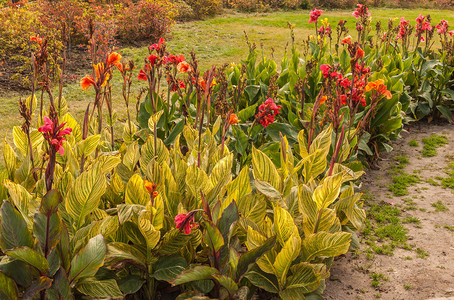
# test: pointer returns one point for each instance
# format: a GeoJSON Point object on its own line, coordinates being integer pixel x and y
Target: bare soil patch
{"type": "Point", "coordinates": [424, 269]}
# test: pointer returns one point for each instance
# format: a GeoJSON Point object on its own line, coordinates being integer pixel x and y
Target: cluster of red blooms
{"type": "Point", "coordinates": [54, 134]}
{"type": "Point", "coordinates": [175, 86]}
{"type": "Point", "coordinates": [267, 112]}
{"type": "Point", "coordinates": [403, 28]}
{"type": "Point", "coordinates": [442, 28]}
{"type": "Point", "coordinates": [326, 31]}
{"type": "Point", "coordinates": [314, 15]}
{"type": "Point", "coordinates": [102, 72]}
{"type": "Point", "coordinates": [185, 222]}
{"type": "Point", "coordinates": [361, 11]}
{"type": "Point", "coordinates": [346, 84]}
{"type": "Point", "coordinates": [422, 26]}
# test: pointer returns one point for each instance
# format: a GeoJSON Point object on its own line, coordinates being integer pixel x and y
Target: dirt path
{"type": "Point", "coordinates": [416, 230]}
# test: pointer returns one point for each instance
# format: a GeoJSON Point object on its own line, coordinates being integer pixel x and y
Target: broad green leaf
{"type": "Point", "coordinates": [154, 119]}
{"type": "Point", "coordinates": [128, 212]}
{"type": "Point", "coordinates": [264, 169]}
{"type": "Point", "coordinates": [29, 256]}
{"type": "Point", "coordinates": [325, 244]}
{"type": "Point", "coordinates": [89, 259]}
{"type": "Point", "coordinates": [267, 189]}
{"type": "Point", "coordinates": [292, 294]}
{"type": "Point", "coordinates": [227, 283]}
{"type": "Point", "coordinates": [135, 192]}
{"type": "Point", "coordinates": [8, 288]}
{"type": "Point", "coordinates": [263, 280]}
{"type": "Point", "coordinates": [285, 258]}
{"type": "Point", "coordinates": [327, 191]}
{"type": "Point", "coordinates": [131, 284]}
{"type": "Point", "coordinates": [195, 274]}
{"type": "Point", "coordinates": [172, 242]}
{"type": "Point", "coordinates": [14, 232]}
{"type": "Point", "coordinates": [85, 193]}
{"type": "Point", "coordinates": [251, 256]}
{"type": "Point", "coordinates": [50, 202]}
{"type": "Point", "coordinates": [99, 288]}
{"type": "Point", "coordinates": [213, 236]}
{"type": "Point", "coordinates": [247, 113]}
{"type": "Point", "coordinates": [119, 252]}
{"type": "Point", "coordinates": [168, 267]}
{"type": "Point", "coordinates": [42, 283]}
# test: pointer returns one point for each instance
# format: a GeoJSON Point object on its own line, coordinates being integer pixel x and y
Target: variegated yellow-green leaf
{"type": "Point", "coordinates": [304, 278]}
{"type": "Point", "coordinates": [302, 143]}
{"type": "Point", "coordinates": [217, 125]}
{"type": "Point", "coordinates": [197, 180]}
{"type": "Point", "coordinates": [264, 169]}
{"type": "Point", "coordinates": [240, 186]}
{"type": "Point", "coordinates": [195, 274]}
{"type": "Point", "coordinates": [322, 141]}
{"type": "Point", "coordinates": [135, 192]}
{"type": "Point", "coordinates": [348, 174]}
{"type": "Point", "coordinates": [252, 207]}
{"type": "Point", "coordinates": [284, 226]}
{"type": "Point", "coordinates": [260, 279]}
{"type": "Point", "coordinates": [173, 241]}
{"type": "Point", "coordinates": [89, 259]}
{"type": "Point", "coordinates": [85, 194]}
{"type": "Point", "coordinates": [347, 205]}
{"type": "Point", "coordinates": [118, 252]}
{"type": "Point", "coordinates": [108, 162]}
{"type": "Point", "coordinates": [131, 156]}
{"type": "Point", "coordinates": [128, 132]}
{"type": "Point", "coordinates": [148, 152]}
{"type": "Point", "coordinates": [327, 191]}
{"type": "Point", "coordinates": [222, 168]}
{"type": "Point", "coordinates": [10, 159]}
{"type": "Point", "coordinates": [21, 198]}
{"type": "Point", "coordinates": [314, 164]}
{"type": "Point", "coordinates": [150, 234]}
{"type": "Point", "coordinates": [325, 244]}
{"type": "Point", "coordinates": [76, 132]}
{"type": "Point", "coordinates": [326, 219]}
{"type": "Point", "coordinates": [169, 267]}
{"type": "Point", "coordinates": [89, 145]}
{"type": "Point", "coordinates": [100, 288]}
{"type": "Point", "coordinates": [255, 240]}
{"type": "Point", "coordinates": [14, 232]}
{"type": "Point", "coordinates": [21, 141]}
{"type": "Point", "coordinates": [286, 256]}
{"type": "Point", "coordinates": [158, 212]}
{"type": "Point", "coordinates": [267, 189]}
{"type": "Point", "coordinates": [154, 119]}
{"type": "Point", "coordinates": [30, 257]}
{"type": "Point", "coordinates": [31, 105]}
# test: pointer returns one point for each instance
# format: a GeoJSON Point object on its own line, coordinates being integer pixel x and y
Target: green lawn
{"type": "Point", "coordinates": [217, 41]}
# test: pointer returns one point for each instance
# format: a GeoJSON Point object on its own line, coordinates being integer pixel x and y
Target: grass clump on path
{"type": "Point", "coordinates": [449, 181]}
{"type": "Point", "coordinates": [413, 143]}
{"type": "Point", "coordinates": [439, 206]}
{"type": "Point", "coordinates": [432, 143]}
{"type": "Point", "coordinates": [401, 179]}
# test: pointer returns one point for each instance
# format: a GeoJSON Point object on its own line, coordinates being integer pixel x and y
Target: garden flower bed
{"type": "Point", "coordinates": [240, 180]}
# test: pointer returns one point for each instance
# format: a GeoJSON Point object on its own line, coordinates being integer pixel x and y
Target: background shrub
{"type": "Point", "coordinates": [205, 8]}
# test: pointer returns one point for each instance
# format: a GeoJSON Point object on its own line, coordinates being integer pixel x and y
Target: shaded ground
{"type": "Point", "coordinates": [422, 261]}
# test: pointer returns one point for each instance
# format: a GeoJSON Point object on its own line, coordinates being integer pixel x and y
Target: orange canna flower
{"type": "Point", "coordinates": [155, 194]}
{"type": "Point", "coordinates": [183, 67]}
{"type": "Point", "coordinates": [347, 40]}
{"type": "Point", "coordinates": [36, 39]}
{"type": "Point", "coordinates": [100, 71]}
{"type": "Point", "coordinates": [233, 119]}
{"type": "Point", "coordinates": [120, 67]}
{"type": "Point", "coordinates": [323, 99]}
{"type": "Point", "coordinates": [359, 53]}
{"type": "Point", "coordinates": [151, 187]}
{"type": "Point", "coordinates": [114, 58]}
{"type": "Point", "coordinates": [380, 87]}
{"type": "Point", "coordinates": [86, 82]}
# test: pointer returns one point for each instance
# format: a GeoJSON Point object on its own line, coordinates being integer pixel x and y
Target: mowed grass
{"type": "Point", "coordinates": [217, 41]}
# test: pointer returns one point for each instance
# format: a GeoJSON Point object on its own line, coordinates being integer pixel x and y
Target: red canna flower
{"type": "Point", "coordinates": [323, 100]}
{"type": "Point", "coordinates": [175, 60]}
{"type": "Point", "coordinates": [267, 112]}
{"type": "Point", "coordinates": [442, 27]}
{"type": "Point", "coordinates": [185, 222]}
{"type": "Point", "coordinates": [360, 11]}
{"type": "Point", "coordinates": [359, 53]}
{"type": "Point", "coordinates": [54, 135]}
{"type": "Point", "coordinates": [142, 75]}
{"type": "Point", "coordinates": [347, 40]}
{"type": "Point", "coordinates": [36, 39]}
{"type": "Point", "coordinates": [158, 45]}
{"type": "Point", "coordinates": [152, 59]}
{"type": "Point", "coordinates": [314, 15]}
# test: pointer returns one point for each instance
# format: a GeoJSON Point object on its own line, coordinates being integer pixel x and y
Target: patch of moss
{"type": "Point", "coordinates": [439, 206]}
{"type": "Point", "coordinates": [377, 279]}
{"type": "Point", "coordinates": [401, 182]}
{"type": "Point", "coordinates": [449, 227]}
{"type": "Point", "coordinates": [411, 219]}
{"type": "Point", "coordinates": [432, 182]}
{"type": "Point", "coordinates": [432, 143]}
{"type": "Point", "coordinates": [413, 143]}
{"type": "Point", "coordinates": [421, 253]}
{"type": "Point", "coordinates": [449, 181]}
